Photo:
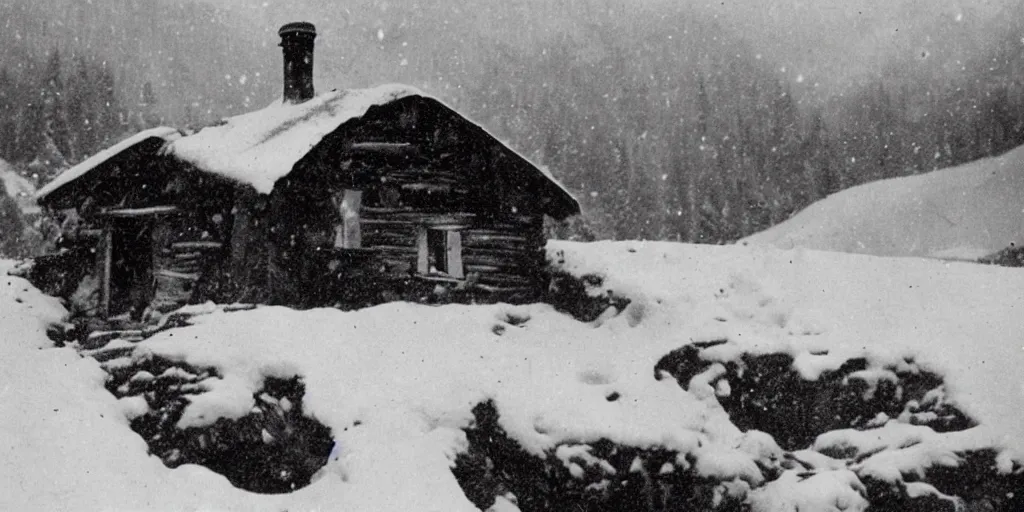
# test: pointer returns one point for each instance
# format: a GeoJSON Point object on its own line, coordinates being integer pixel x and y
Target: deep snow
{"type": "Point", "coordinates": [964, 212]}
{"type": "Point", "coordinates": [409, 375]}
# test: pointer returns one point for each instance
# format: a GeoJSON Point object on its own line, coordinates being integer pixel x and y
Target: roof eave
{"type": "Point", "coordinates": [50, 192]}
{"type": "Point", "coordinates": [563, 207]}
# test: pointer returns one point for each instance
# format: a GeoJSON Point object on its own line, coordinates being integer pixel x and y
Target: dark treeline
{"type": "Point", "coordinates": [54, 114]}
{"type": "Point", "coordinates": [199, 66]}
{"type": "Point", "coordinates": [62, 110]}
{"type": "Point", "coordinates": [76, 77]}
{"type": "Point", "coordinates": [710, 144]}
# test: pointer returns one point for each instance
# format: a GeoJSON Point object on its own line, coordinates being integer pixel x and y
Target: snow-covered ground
{"type": "Point", "coordinates": [397, 382]}
{"type": "Point", "coordinates": [964, 212]}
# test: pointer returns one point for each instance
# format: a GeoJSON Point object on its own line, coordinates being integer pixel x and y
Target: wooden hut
{"type": "Point", "coordinates": [349, 198]}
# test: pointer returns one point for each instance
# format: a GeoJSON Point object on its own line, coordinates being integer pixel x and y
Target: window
{"type": "Point", "coordinates": [346, 234]}
{"type": "Point", "coordinates": [439, 251]}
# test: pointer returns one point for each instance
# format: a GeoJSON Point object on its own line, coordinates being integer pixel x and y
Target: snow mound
{"type": "Point", "coordinates": [18, 188]}
{"type": "Point", "coordinates": [964, 212]}
{"type": "Point", "coordinates": [65, 441]}
{"type": "Point", "coordinates": [419, 397]}
{"type": "Point", "coordinates": [958, 320]}
{"type": "Point", "coordinates": [373, 380]}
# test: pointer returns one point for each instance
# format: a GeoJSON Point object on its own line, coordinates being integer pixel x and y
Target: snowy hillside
{"type": "Point", "coordinates": [719, 378]}
{"type": "Point", "coordinates": [964, 212]}
{"type": "Point", "coordinates": [18, 188]}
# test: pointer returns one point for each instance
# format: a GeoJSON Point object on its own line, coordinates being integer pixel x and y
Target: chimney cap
{"type": "Point", "coordinates": [296, 28]}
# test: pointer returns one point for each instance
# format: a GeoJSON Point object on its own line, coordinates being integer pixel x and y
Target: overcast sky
{"type": "Point", "coordinates": [854, 34]}
{"type": "Point", "coordinates": [827, 39]}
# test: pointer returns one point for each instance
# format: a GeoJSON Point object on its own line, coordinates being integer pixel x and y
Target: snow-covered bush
{"type": "Point", "coordinates": [273, 449]}
{"type": "Point", "coordinates": [595, 476]}
{"type": "Point", "coordinates": [1012, 256]}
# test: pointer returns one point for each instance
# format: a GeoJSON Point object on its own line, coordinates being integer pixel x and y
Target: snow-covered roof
{"type": "Point", "coordinates": [963, 212]}
{"type": "Point", "coordinates": [261, 147]}
{"type": "Point", "coordinates": [86, 166]}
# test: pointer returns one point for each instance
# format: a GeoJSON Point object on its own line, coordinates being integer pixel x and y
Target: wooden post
{"type": "Point", "coordinates": [347, 235]}
{"type": "Point", "coordinates": [422, 251]}
{"type": "Point", "coordinates": [454, 255]}
{"type": "Point", "coordinates": [106, 262]}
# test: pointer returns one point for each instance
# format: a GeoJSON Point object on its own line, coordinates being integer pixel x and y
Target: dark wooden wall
{"type": "Point", "coordinates": [418, 168]}
{"type": "Point", "coordinates": [156, 228]}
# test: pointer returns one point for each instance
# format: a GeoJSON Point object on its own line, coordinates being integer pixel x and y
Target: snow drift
{"type": "Point", "coordinates": [18, 188]}
{"type": "Point", "coordinates": [406, 389]}
{"type": "Point", "coordinates": [965, 212]}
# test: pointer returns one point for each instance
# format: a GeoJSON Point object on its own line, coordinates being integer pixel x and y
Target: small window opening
{"type": "Point", "coordinates": [437, 244]}
{"type": "Point", "coordinates": [440, 252]}
{"type": "Point", "coordinates": [347, 234]}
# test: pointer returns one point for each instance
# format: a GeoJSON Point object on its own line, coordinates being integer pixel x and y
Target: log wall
{"type": "Point", "coordinates": [190, 252]}
{"type": "Point", "coordinates": [180, 258]}
{"type": "Point", "coordinates": [419, 166]}
{"type": "Point", "coordinates": [416, 172]}
{"type": "Point", "coordinates": [500, 260]}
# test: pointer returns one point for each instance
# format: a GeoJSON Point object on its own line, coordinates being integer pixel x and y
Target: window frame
{"type": "Point", "coordinates": [451, 248]}
{"type": "Point", "coordinates": [348, 233]}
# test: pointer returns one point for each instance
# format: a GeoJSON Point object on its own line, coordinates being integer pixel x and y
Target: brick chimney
{"type": "Point", "coordinates": [297, 45]}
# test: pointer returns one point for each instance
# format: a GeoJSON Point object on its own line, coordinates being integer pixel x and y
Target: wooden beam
{"type": "Point", "coordinates": [385, 211]}
{"type": "Point", "coordinates": [389, 215]}
{"type": "Point", "coordinates": [511, 268]}
{"type": "Point", "coordinates": [437, 278]}
{"type": "Point", "coordinates": [505, 289]}
{"type": "Point", "coordinates": [188, 276]}
{"type": "Point", "coordinates": [381, 145]}
{"type": "Point", "coordinates": [139, 212]}
{"type": "Point", "coordinates": [433, 187]}
{"type": "Point", "coordinates": [408, 249]}
{"type": "Point", "coordinates": [388, 222]}
{"type": "Point", "coordinates": [195, 246]}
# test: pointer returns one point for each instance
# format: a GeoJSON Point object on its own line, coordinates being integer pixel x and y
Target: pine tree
{"type": "Point", "coordinates": [111, 122]}
{"type": "Point", "coordinates": [8, 116]}
{"type": "Point", "coordinates": [822, 175]}
{"type": "Point", "coordinates": [31, 138]}
{"type": "Point", "coordinates": [81, 111]}
{"type": "Point", "coordinates": [148, 114]}
{"type": "Point", "coordinates": [54, 102]}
